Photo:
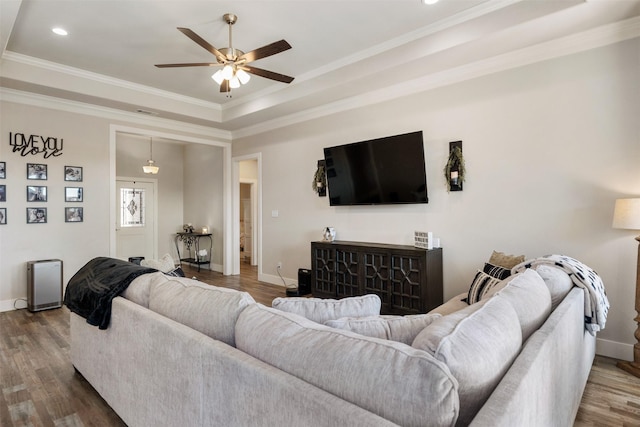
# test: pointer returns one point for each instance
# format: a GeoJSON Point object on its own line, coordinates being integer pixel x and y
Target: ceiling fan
{"type": "Point", "coordinates": [235, 70]}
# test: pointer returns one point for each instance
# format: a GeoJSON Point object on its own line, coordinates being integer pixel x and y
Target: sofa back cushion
{"type": "Point", "coordinates": [207, 309]}
{"type": "Point", "coordinates": [557, 280]}
{"type": "Point", "coordinates": [530, 297]}
{"type": "Point", "coordinates": [402, 329]}
{"type": "Point", "coordinates": [320, 310]}
{"type": "Point", "coordinates": [478, 344]}
{"type": "Point", "coordinates": [139, 289]}
{"type": "Point", "coordinates": [402, 384]}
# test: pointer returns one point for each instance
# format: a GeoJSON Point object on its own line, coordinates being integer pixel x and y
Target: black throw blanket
{"type": "Point", "coordinates": [90, 291]}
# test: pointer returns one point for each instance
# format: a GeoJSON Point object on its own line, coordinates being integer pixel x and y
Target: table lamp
{"type": "Point", "coordinates": [626, 215]}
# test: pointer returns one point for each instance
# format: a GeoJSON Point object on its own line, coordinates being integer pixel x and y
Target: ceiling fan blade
{"type": "Point", "coordinates": [264, 51]}
{"type": "Point", "coordinates": [224, 87]}
{"type": "Point", "coordinates": [267, 74]}
{"type": "Point", "coordinates": [190, 64]}
{"type": "Point", "coordinates": [202, 42]}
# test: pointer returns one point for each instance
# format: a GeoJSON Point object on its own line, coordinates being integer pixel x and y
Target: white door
{"type": "Point", "coordinates": [135, 219]}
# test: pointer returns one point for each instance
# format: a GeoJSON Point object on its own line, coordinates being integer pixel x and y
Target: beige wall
{"type": "Point", "coordinates": [548, 149]}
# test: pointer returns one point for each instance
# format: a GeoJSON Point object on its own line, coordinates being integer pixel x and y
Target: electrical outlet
{"type": "Point", "coordinates": [279, 264]}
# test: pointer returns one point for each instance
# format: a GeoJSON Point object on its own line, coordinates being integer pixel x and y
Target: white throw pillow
{"type": "Point", "coordinates": [478, 344]}
{"type": "Point", "coordinates": [395, 328]}
{"type": "Point", "coordinates": [320, 310]}
{"type": "Point", "coordinates": [164, 264]}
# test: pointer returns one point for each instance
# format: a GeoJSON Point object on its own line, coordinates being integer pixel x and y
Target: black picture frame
{"type": "Point", "coordinates": [73, 173]}
{"type": "Point", "coordinates": [3, 170]}
{"type": "Point", "coordinates": [73, 194]}
{"type": "Point", "coordinates": [73, 214]}
{"type": "Point", "coordinates": [36, 215]}
{"type": "Point", "coordinates": [36, 193]}
{"type": "Point", "coordinates": [36, 171]}
{"type": "Point", "coordinates": [3, 193]}
{"type": "Point", "coordinates": [3, 216]}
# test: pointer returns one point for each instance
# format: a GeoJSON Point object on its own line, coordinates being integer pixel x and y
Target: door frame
{"type": "Point", "coordinates": [154, 183]}
{"type": "Point", "coordinates": [227, 221]}
{"type": "Point", "coordinates": [254, 218]}
{"type": "Point", "coordinates": [257, 230]}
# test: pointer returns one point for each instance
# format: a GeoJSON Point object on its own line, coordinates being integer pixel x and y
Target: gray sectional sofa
{"type": "Point", "coordinates": [181, 353]}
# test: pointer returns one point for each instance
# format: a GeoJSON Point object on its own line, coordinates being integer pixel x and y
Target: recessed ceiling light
{"type": "Point", "coordinates": [429, 1]}
{"type": "Point", "coordinates": [60, 31]}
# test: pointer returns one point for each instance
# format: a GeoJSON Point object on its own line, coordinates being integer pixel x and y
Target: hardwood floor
{"type": "Point", "coordinates": [40, 388]}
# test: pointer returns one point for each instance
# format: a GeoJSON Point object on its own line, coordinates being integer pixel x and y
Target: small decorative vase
{"type": "Point", "coordinates": [329, 234]}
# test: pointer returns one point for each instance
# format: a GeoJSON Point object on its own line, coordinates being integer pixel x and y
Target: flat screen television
{"type": "Point", "coordinates": [380, 171]}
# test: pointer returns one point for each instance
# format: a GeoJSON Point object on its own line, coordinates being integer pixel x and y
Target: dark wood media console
{"type": "Point", "coordinates": [408, 280]}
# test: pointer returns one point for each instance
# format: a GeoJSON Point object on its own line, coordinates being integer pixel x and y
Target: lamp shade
{"type": "Point", "coordinates": [627, 214]}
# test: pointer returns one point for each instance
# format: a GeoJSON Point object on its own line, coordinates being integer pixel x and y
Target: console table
{"type": "Point", "coordinates": [192, 246]}
{"type": "Point", "coordinates": [408, 280]}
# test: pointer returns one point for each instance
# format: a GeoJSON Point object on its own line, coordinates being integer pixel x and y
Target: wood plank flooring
{"type": "Point", "coordinates": [38, 385]}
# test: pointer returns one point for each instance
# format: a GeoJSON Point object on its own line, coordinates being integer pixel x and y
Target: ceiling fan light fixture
{"type": "Point", "coordinates": [227, 72]}
{"type": "Point", "coordinates": [243, 76]}
{"type": "Point", "coordinates": [234, 83]}
{"type": "Point", "coordinates": [217, 77]}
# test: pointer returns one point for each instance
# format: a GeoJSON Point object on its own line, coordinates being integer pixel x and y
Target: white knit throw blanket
{"type": "Point", "coordinates": [596, 304]}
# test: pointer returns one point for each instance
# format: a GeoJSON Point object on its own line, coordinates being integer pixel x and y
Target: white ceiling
{"type": "Point", "coordinates": [345, 53]}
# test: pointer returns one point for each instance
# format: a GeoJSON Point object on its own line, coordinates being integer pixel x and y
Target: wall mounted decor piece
{"type": "Point", "coordinates": [72, 194]}
{"type": "Point", "coordinates": [36, 171]}
{"type": "Point", "coordinates": [319, 183]}
{"type": "Point", "coordinates": [3, 193]}
{"type": "Point", "coordinates": [36, 193]}
{"type": "Point", "coordinates": [73, 173]}
{"type": "Point", "coordinates": [73, 214]}
{"type": "Point", "coordinates": [454, 170]}
{"type": "Point", "coordinates": [36, 215]}
{"type": "Point", "coordinates": [3, 170]}
{"type": "Point", "coordinates": [3, 216]}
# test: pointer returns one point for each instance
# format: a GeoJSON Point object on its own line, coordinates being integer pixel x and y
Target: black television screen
{"type": "Point", "coordinates": [381, 171]}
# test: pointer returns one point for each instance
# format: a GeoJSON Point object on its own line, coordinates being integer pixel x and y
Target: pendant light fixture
{"type": "Point", "coordinates": [150, 167]}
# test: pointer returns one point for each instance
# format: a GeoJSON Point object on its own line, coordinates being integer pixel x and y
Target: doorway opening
{"type": "Point", "coordinates": [246, 215]}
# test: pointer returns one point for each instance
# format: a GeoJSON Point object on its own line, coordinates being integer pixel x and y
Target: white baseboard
{"type": "Point", "coordinates": [614, 349]}
{"type": "Point", "coordinates": [276, 280]}
{"type": "Point", "coordinates": [13, 304]}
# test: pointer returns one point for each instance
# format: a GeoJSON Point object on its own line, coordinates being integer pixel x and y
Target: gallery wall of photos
{"type": "Point", "coordinates": [37, 193]}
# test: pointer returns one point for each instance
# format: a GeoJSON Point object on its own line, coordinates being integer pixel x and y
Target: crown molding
{"type": "Point", "coordinates": [387, 46]}
{"type": "Point", "coordinates": [100, 78]}
{"type": "Point", "coordinates": [43, 101]}
{"type": "Point", "coordinates": [591, 39]}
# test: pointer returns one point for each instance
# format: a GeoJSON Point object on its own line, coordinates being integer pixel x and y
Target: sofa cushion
{"type": "Point", "coordinates": [139, 289]}
{"type": "Point", "coordinates": [496, 271]}
{"type": "Point", "coordinates": [529, 296]}
{"type": "Point", "coordinates": [395, 328]}
{"type": "Point", "coordinates": [207, 309]}
{"type": "Point", "coordinates": [557, 280]}
{"type": "Point", "coordinates": [456, 303]}
{"type": "Point", "coordinates": [505, 260]}
{"type": "Point", "coordinates": [478, 344]}
{"type": "Point", "coordinates": [320, 310]}
{"type": "Point", "coordinates": [402, 384]}
{"type": "Point", "coordinates": [482, 283]}
{"type": "Point", "coordinates": [164, 264]}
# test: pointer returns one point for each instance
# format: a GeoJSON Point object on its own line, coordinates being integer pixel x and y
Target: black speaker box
{"type": "Point", "coordinates": [304, 281]}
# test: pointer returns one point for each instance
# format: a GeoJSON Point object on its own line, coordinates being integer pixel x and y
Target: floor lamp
{"type": "Point", "coordinates": [627, 215]}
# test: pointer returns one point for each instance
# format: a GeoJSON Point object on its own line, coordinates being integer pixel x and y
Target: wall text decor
{"type": "Point", "coordinates": [48, 146]}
